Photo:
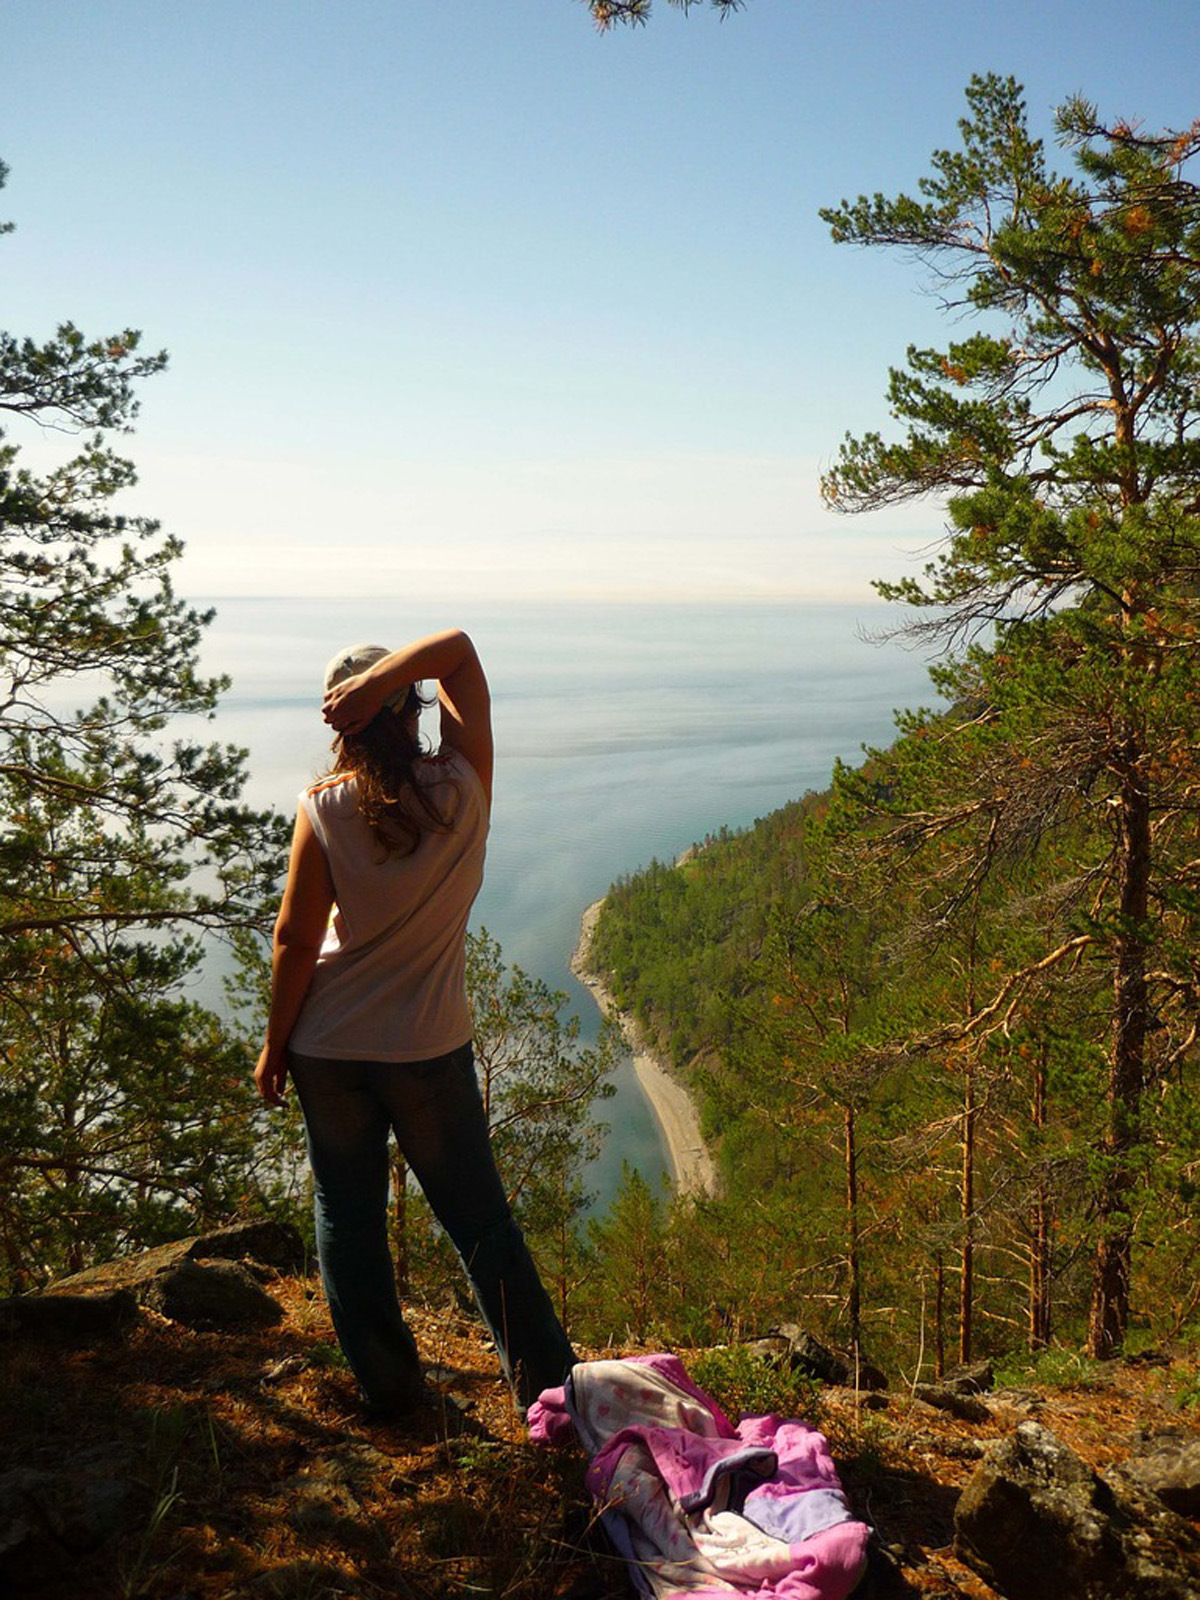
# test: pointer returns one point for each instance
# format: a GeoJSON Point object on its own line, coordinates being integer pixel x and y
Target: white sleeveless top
{"type": "Point", "coordinates": [389, 983]}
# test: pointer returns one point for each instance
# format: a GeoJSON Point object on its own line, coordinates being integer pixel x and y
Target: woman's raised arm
{"type": "Point", "coordinates": [466, 706]}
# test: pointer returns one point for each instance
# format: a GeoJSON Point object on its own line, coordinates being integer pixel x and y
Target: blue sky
{"type": "Point", "coordinates": [464, 297]}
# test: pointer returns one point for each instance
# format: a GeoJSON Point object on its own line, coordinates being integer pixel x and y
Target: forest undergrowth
{"type": "Point", "coordinates": [249, 1471]}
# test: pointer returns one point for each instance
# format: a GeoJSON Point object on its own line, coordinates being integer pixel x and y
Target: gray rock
{"type": "Point", "coordinates": [1038, 1524]}
{"type": "Point", "coordinates": [884, 1578]}
{"type": "Point", "coordinates": [170, 1278]}
{"type": "Point", "coordinates": [773, 1348]}
{"type": "Point", "coordinates": [215, 1296]}
{"type": "Point", "coordinates": [287, 1368]}
{"type": "Point", "coordinates": [275, 1244]}
{"type": "Point", "coordinates": [320, 1506]}
{"type": "Point", "coordinates": [959, 1449]}
{"type": "Point", "coordinates": [972, 1377]}
{"type": "Point", "coordinates": [1169, 1465]}
{"type": "Point", "coordinates": [966, 1407]}
{"type": "Point", "coordinates": [74, 1319]}
{"type": "Point", "coordinates": [1147, 1358]}
{"type": "Point", "coordinates": [1020, 1399]}
{"type": "Point", "coordinates": [837, 1367]}
{"type": "Point", "coordinates": [49, 1519]}
{"type": "Point", "coordinates": [322, 1500]}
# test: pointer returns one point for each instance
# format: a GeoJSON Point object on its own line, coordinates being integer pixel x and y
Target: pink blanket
{"type": "Point", "coordinates": [697, 1506]}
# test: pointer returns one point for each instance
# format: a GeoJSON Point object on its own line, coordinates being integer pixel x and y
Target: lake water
{"type": "Point", "coordinates": [623, 733]}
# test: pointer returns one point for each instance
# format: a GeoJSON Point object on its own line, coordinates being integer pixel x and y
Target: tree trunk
{"type": "Point", "coordinates": [76, 1257]}
{"type": "Point", "coordinates": [1112, 1263]}
{"type": "Point", "coordinates": [966, 1294]}
{"type": "Point", "coordinates": [852, 1251]}
{"type": "Point", "coordinates": [564, 1258]}
{"type": "Point", "coordinates": [1039, 1230]}
{"type": "Point", "coordinates": [939, 1316]}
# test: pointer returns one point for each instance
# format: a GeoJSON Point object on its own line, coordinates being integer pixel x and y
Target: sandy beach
{"type": "Point", "coordinates": [692, 1168]}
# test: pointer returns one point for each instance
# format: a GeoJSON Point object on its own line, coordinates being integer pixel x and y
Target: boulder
{"type": "Point", "coordinates": [774, 1348]}
{"type": "Point", "coordinates": [49, 1519]}
{"type": "Point", "coordinates": [966, 1407]}
{"type": "Point", "coordinates": [1169, 1465]}
{"type": "Point", "coordinates": [972, 1377]}
{"type": "Point", "coordinates": [275, 1244]}
{"type": "Point", "coordinates": [1038, 1524]}
{"type": "Point", "coordinates": [217, 1296]}
{"type": "Point", "coordinates": [103, 1300]}
{"type": "Point", "coordinates": [837, 1367]}
{"type": "Point", "coordinates": [74, 1319]}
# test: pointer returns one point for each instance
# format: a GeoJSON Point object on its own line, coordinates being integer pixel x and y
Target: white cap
{"type": "Point", "coordinates": [356, 658]}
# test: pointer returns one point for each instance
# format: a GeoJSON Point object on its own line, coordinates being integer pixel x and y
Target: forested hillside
{"type": "Point", "coordinates": [944, 1020]}
{"type": "Point", "coordinates": [680, 940]}
{"type": "Point", "coordinates": [884, 1175]}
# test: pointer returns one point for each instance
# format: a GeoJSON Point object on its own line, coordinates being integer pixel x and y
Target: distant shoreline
{"type": "Point", "coordinates": [692, 1168]}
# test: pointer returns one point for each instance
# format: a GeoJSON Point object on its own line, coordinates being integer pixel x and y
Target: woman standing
{"type": "Point", "coordinates": [369, 1013]}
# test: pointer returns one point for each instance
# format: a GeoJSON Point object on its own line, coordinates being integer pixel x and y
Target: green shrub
{"type": "Point", "coordinates": [1053, 1369]}
{"type": "Point", "coordinates": [323, 1356]}
{"type": "Point", "coordinates": [1187, 1395]}
{"type": "Point", "coordinates": [745, 1383]}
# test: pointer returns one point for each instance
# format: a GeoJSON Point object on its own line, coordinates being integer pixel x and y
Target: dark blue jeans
{"type": "Point", "coordinates": [436, 1112]}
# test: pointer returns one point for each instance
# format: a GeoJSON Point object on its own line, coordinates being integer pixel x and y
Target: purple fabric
{"type": "Point", "coordinates": [682, 1492]}
{"type": "Point", "coordinates": [693, 1468]}
{"type": "Point", "coordinates": [804, 1459]}
{"type": "Point", "coordinates": [795, 1514]}
{"type": "Point", "coordinates": [548, 1419]}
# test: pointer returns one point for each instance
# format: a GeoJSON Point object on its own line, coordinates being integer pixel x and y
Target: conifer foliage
{"type": "Point", "coordinates": [1064, 436]}
{"type": "Point", "coordinates": [124, 1115]}
{"type": "Point", "coordinates": [542, 1091]}
{"type": "Point", "coordinates": [944, 1019]}
{"type": "Point", "coordinates": [607, 13]}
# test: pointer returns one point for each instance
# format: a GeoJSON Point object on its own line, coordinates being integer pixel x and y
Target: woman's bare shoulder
{"type": "Point", "coordinates": [335, 787]}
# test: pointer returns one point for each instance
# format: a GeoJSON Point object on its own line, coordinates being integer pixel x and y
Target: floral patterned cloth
{"type": "Point", "coordinates": [697, 1506]}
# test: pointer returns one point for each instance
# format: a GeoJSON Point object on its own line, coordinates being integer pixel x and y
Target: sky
{"type": "Point", "coordinates": [466, 298]}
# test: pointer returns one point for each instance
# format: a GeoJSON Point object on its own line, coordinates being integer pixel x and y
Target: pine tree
{"type": "Point", "coordinates": [124, 1112]}
{"type": "Point", "coordinates": [1063, 436]}
{"type": "Point", "coordinates": [541, 1090]}
{"type": "Point", "coordinates": [606, 13]}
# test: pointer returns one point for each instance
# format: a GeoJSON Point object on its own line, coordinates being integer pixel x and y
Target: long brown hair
{"type": "Point", "coordinates": [383, 756]}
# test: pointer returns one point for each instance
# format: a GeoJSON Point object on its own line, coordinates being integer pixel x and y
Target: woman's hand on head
{"type": "Point", "coordinates": [350, 705]}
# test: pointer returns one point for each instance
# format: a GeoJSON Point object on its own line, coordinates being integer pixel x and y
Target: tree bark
{"type": "Point", "coordinates": [939, 1316]}
{"type": "Point", "coordinates": [400, 1222]}
{"type": "Point", "coordinates": [1039, 1243]}
{"type": "Point", "coordinates": [852, 1242]}
{"type": "Point", "coordinates": [1109, 1317]}
{"type": "Point", "coordinates": [966, 1294]}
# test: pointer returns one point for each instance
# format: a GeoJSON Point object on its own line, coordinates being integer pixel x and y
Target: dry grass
{"type": "Point", "coordinates": [903, 1468]}
{"type": "Point", "coordinates": [254, 1475]}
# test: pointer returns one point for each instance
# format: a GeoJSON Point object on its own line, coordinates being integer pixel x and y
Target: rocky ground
{"type": "Point", "coordinates": [163, 1461]}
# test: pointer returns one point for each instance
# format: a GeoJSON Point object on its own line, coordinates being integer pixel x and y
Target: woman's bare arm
{"type": "Point", "coordinates": [465, 700]}
{"type": "Point", "coordinates": [299, 934]}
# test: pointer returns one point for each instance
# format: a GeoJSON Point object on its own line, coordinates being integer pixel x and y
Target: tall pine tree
{"type": "Point", "coordinates": [124, 1112]}
{"type": "Point", "coordinates": [1063, 437]}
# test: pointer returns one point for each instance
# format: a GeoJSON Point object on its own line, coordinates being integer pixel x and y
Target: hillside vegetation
{"type": "Point", "coordinates": [945, 1019]}
{"type": "Point", "coordinates": [847, 1129]}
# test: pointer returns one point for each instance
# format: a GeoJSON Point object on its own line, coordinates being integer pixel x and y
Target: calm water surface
{"type": "Point", "coordinates": [623, 734]}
